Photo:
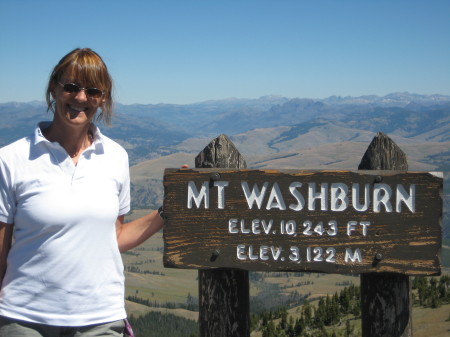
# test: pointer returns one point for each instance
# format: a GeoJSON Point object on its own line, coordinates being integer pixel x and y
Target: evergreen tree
{"type": "Point", "coordinates": [290, 331]}
{"type": "Point", "coordinates": [283, 321]}
{"type": "Point", "coordinates": [270, 330]}
{"type": "Point", "coordinates": [344, 300]}
{"type": "Point", "coordinates": [319, 314]}
{"type": "Point", "coordinates": [299, 326]}
{"type": "Point", "coordinates": [335, 309]}
{"type": "Point", "coordinates": [431, 292]}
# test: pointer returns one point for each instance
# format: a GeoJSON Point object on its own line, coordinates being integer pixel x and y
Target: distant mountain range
{"type": "Point", "coordinates": [149, 131]}
{"type": "Point", "coordinates": [271, 131]}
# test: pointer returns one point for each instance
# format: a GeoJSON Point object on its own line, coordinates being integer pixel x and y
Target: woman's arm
{"type": "Point", "coordinates": [6, 233]}
{"type": "Point", "coordinates": [132, 234]}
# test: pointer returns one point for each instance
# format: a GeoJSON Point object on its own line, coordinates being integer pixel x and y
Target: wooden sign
{"type": "Point", "coordinates": [345, 222]}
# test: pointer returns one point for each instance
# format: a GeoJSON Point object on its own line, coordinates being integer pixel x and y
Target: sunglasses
{"type": "Point", "coordinates": [73, 88]}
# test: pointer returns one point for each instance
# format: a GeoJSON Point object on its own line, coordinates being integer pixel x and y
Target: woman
{"type": "Point", "coordinates": [65, 191]}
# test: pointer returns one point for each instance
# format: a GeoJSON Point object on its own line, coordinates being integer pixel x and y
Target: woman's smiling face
{"type": "Point", "coordinates": [76, 108]}
{"type": "Point", "coordinates": [83, 68]}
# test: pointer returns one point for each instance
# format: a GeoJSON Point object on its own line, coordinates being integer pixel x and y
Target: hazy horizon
{"type": "Point", "coordinates": [254, 98]}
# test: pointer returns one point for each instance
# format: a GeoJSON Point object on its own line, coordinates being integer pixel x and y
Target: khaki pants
{"type": "Point", "coordinates": [15, 328]}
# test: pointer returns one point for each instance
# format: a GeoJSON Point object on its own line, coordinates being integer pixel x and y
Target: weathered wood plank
{"type": "Point", "coordinates": [276, 235]}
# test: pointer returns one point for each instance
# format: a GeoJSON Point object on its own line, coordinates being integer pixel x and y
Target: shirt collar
{"type": "Point", "coordinates": [97, 142]}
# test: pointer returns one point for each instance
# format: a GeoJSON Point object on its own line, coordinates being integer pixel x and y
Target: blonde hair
{"type": "Point", "coordinates": [88, 67]}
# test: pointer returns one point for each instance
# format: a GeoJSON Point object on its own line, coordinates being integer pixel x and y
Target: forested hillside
{"type": "Point", "coordinates": [336, 314]}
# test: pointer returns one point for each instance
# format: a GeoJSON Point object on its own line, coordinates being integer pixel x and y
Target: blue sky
{"type": "Point", "coordinates": [189, 51]}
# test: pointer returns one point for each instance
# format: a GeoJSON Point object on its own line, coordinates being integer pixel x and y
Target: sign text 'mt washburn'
{"type": "Point", "coordinates": [330, 221]}
{"type": "Point", "coordinates": [333, 197]}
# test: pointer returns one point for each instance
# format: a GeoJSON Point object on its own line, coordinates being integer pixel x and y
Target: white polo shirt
{"type": "Point", "coordinates": [64, 267]}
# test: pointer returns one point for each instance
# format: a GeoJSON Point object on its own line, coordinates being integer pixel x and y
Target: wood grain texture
{"type": "Point", "coordinates": [224, 294]}
{"type": "Point", "coordinates": [386, 303]}
{"type": "Point", "coordinates": [404, 242]}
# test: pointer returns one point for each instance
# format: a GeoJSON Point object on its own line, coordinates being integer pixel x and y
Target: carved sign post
{"type": "Point", "coordinates": [224, 294]}
{"type": "Point", "coordinates": [380, 223]}
{"type": "Point", "coordinates": [343, 222]}
{"type": "Point", "coordinates": [386, 304]}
